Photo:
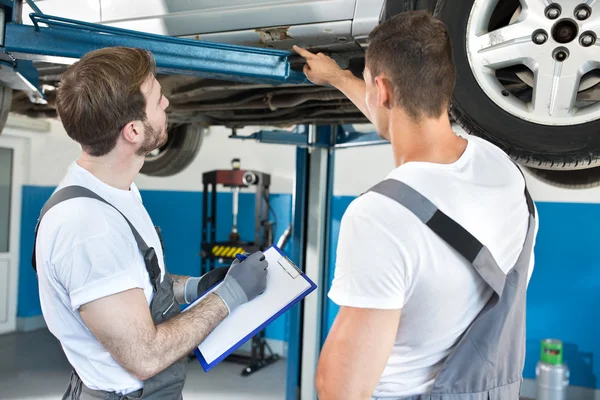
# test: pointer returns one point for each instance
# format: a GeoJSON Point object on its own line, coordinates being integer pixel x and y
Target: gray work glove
{"type": "Point", "coordinates": [244, 281]}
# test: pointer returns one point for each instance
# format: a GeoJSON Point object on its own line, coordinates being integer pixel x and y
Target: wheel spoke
{"type": "Point", "coordinates": [555, 89]}
{"type": "Point", "coordinates": [504, 47]}
{"type": "Point", "coordinates": [594, 25]}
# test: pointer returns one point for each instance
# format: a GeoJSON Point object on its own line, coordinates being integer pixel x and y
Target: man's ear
{"type": "Point", "coordinates": [385, 92]}
{"type": "Point", "coordinates": [132, 132]}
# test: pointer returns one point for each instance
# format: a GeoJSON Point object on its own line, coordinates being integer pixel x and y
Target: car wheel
{"type": "Point", "coordinates": [177, 153]}
{"type": "Point", "coordinates": [575, 179]}
{"type": "Point", "coordinates": [5, 103]}
{"type": "Point", "coordinates": [528, 77]}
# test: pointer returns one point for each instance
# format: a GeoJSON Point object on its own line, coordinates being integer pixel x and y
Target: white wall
{"type": "Point", "coordinates": [359, 168]}
{"type": "Point", "coordinates": [356, 169]}
{"type": "Point", "coordinates": [53, 151]}
{"type": "Point", "coordinates": [218, 150]}
{"type": "Point", "coordinates": [541, 191]}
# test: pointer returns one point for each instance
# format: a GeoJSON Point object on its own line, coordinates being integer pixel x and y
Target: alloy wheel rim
{"type": "Point", "coordinates": [558, 44]}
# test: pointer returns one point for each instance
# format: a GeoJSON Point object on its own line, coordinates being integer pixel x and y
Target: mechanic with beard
{"type": "Point", "coordinates": [104, 289]}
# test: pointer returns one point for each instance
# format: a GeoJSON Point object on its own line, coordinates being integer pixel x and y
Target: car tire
{"type": "Point", "coordinates": [575, 179]}
{"type": "Point", "coordinates": [177, 153]}
{"type": "Point", "coordinates": [528, 143]}
{"type": "Point", "coordinates": [5, 104]}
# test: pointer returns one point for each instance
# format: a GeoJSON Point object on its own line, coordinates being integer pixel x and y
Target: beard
{"type": "Point", "coordinates": [154, 138]}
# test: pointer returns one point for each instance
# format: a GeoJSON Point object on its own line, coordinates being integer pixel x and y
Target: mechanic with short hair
{"type": "Point", "coordinates": [104, 289]}
{"type": "Point", "coordinates": [433, 262]}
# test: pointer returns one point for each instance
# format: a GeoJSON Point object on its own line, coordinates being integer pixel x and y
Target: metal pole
{"type": "Point", "coordinates": [213, 219]}
{"type": "Point", "coordinates": [298, 235]}
{"type": "Point", "coordinates": [17, 14]}
{"type": "Point", "coordinates": [204, 238]}
{"type": "Point", "coordinates": [319, 192]}
{"type": "Point", "coordinates": [327, 267]}
{"type": "Point", "coordinates": [236, 195]}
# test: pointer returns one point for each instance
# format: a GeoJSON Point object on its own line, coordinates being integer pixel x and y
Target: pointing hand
{"type": "Point", "coordinates": [319, 69]}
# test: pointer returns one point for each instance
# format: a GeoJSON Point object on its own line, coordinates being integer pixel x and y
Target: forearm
{"type": "Point", "coordinates": [174, 339]}
{"type": "Point", "coordinates": [179, 287]}
{"type": "Point", "coordinates": [123, 324]}
{"type": "Point", "coordinates": [354, 89]}
{"type": "Point", "coordinates": [333, 385]}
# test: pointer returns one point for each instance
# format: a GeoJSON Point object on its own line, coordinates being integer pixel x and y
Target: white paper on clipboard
{"type": "Point", "coordinates": [284, 284]}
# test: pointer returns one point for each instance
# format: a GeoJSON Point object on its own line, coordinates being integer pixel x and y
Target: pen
{"type": "Point", "coordinates": [241, 257]}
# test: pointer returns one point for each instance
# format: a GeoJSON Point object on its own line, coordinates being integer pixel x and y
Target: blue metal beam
{"type": "Point", "coordinates": [22, 75]}
{"type": "Point", "coordinates": [66, 40]}
{"type": "Point", "coordinates": [33, 6]}
{"type": "Point", "coordinates": [276, 137]}
{"type": "Point", "coordinates": [299, 138]}
{"type": "Point", "coordinates": [346, 138]}
{"type": "Point", "coordinates": [325, 137]}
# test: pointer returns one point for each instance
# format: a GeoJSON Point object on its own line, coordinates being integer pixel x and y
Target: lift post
{"type": "Point", "coordinates": [310, 244]}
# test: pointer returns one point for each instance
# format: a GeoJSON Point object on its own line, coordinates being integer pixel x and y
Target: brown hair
{"type": "Point", "coordinates": [414, 51]}
{"type": "Point", "coordinates": [99, 94]}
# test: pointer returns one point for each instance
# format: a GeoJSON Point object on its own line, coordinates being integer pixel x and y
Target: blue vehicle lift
{"type": "Point", "coordinates": [63, 41]}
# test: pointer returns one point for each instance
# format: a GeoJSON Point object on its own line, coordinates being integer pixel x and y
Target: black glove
{"type": "Point", "coordinates": [210, 279]}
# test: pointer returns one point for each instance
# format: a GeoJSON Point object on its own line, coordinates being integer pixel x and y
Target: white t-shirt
{"type": "Point", "coordinates": [388, 259]}
{"type": "Point", "coordinates": [86, 251]}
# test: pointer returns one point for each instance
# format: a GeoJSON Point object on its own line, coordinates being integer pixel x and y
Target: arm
{"type": "Point", "coordinates": [372, 274]}
{"type": "Point", "coordinates": [354, 89]}
{"type": "Point", "coordinates": [123, 324]}
{"type": "Point", "coordinates": [355, 353]}
{"type": "Point", "coordinates": [322, 70]}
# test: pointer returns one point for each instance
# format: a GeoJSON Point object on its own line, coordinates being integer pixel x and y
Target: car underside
{"type": "Point", "coordinates": [508, 53]}
{"type": "Point", "coordinates": [224, 103]}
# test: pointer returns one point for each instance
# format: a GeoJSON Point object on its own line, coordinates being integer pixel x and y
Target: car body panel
{"type": "Point", "coordinates": [192, 17]}
{"type": "Point", "coordinates": [335, 26]}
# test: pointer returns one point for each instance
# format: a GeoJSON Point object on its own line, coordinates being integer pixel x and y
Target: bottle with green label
{"type": "Point", "coordinates": [552, 375]}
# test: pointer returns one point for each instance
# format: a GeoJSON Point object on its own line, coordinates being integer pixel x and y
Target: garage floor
{"type": "Point", "coordinates": [32, 366]}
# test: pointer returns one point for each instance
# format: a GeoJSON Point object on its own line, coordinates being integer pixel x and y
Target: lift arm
{"type": "Point", "coordinates": [343, 136]}
{"type": "Point", "coordinates": [63, 41]}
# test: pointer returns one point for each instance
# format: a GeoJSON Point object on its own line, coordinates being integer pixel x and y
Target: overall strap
{"type": "Point", "coordinates": [447, 229]}
{"type": "Point", "coordinates": [72, 192]}
{"type": "Point", "coordinates": [530, 204]}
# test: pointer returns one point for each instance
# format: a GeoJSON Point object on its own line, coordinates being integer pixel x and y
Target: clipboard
{"type": "Point", "coordinates": [286, 286]}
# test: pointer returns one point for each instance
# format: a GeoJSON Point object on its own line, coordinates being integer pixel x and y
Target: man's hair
{"type": "Point", "coordinates": [99, 94]}
{"type": "Point", "coordinates": [413, 50]}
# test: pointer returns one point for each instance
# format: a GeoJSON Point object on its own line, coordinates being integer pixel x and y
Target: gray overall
{"type": "Point", "coordinates": [168, 384]}
{"type": "Point", "coordinates": [487, 362]}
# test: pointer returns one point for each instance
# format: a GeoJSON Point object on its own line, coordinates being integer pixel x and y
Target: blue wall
{"type": "Point", "coordinates": [564, 291]}
{"type": "Point", "coordinates": [179, 214]}
{"type": "Point", "coordinates": [563, 296]}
